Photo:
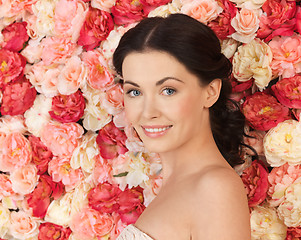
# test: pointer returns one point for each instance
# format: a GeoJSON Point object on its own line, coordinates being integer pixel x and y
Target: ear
{"type": "Point", "coordinates": [212, 92]}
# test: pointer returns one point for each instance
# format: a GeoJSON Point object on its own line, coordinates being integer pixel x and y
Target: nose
{"type": "Point", "coordinates": [150, 108]}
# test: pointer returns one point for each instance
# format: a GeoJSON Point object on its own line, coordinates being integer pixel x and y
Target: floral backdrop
{"type": "Point", "coordinates": [71, 167]}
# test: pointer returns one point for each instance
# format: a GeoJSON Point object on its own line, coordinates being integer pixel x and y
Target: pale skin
{"type": "Point", "coordinates": [202, 197]}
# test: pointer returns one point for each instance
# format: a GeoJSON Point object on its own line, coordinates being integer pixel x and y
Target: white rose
{"type": "Point", "coordinates": [95, 116]}
{"type": "Point", "coordinates": [251, 4]}
{"type": "Point", "coordinates": [164, 10]}
{"type": "Point", "coordinates": [229, 47]}
{"type": "Point", "coordinates": [253, 60]}
{"type": "Point", "coordinates": [105, 5]}
{"type": "Point", "coordinates": [33, 51]}
{"type": "Point", "coordinates": [283, 144]}
{"type": "Point", "coordinates": [38, 115]}
{"type": "Point", "coordinates": [83, 155]}
{"type": "Point", "coordinates": [290, 209]}
{"type": "Point", "coordinates": [4, 220]}
{"type": "Point", "coordinates": [266, 225]}
{"type": "Point", "coordinates": [9, 124]}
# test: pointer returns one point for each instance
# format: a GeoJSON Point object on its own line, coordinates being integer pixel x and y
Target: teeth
{"type": "Point", "coordinates": [156, 129]}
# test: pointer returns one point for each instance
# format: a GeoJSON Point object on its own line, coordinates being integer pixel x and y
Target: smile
{"type": "Point", "coordinates": [155, 131]}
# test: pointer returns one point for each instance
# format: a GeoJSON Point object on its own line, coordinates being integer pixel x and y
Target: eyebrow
{"type": "Point", "coordinates": [160, 82]}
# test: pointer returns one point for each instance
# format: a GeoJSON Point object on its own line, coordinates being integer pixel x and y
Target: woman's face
{"type": "Point", "coordinates": [163, 101]}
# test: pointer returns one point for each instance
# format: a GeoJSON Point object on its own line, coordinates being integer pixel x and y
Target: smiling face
{"type": "Point", "coordinates": [164, 101]}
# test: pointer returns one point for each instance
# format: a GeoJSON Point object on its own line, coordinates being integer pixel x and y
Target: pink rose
{"type": "Point", "coordinates": [263, 111]}
{"type": "Point", "coordinates": [222, 24]}
{"type": "Point", "coordinates": [39, 199]}
{"type": "Point", "coordinates": [102, 171]}
{"type": "Point", "coordinates": [255, 179]}
{"type": "Point", "coordinates": [11, 66]}
{"type": "Point", "coordinates": [57, 50]}
{"type": "Point", "coordinates": [104, 197]}
{"type": "Point", "coordinates": [14, 36]}
{"type": "Point", "coordinates": [23, 226]}
{"type": "Point", "coordinates": [118, 226]}
{"type": "Point", "coordinates": [59, 169]}
{"type": "Point", "coordinates": [96, 28]}
{"type": "Point", "coordinates": [49, 230]}
{"type": "Point", "coordinates": [99, 76]}
{"type": "Point", "coordinates": [24, 179]}
{"type": "Point", "coordinates": [293, 233]}
{"type": "Point", "coordinates": [150, 5]}
{"type": "Point", "coordinates": [278, 20]}
{"type": "Point", "coordinates": [6, 189]}
{"type": "Point", "coordinates": [89, 223]}
{"type": "Point", "coordinates": [41, 155]}
{"type": "Point", "coordinates": [69, 17]}
{"type": "Point", "coordinates": [280, 178]}
{"type": "Point", "coordinates": [131, 204]}
{"type": "Point", "coordinates": [17, 97]}
{"type": "Point", "coordinates": [111, 141]}
{"type": "Point", "coordinates": [202, 10]}
{"type": "Point", "coordinates": [128, 11]}
{"type": "Point", "coordinates": [286, 55]}
{"type": "Point", "coordinates": [68, 108]}
{"type": "Point", "coordinates": [288, 91]}
{"type": "Point", "coordinates": [113, 101]}
{"type": "Point", "coordinates": [19, 6]}
{"type": "Point", "coordinates": [16, 152]}
{"type": "Point", "coordinates": [246, 23]}
{"type": "Point", "coordinates": [61, 138]}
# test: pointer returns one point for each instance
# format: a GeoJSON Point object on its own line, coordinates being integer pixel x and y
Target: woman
{"type": "Point", "coordinates": [176, 89]}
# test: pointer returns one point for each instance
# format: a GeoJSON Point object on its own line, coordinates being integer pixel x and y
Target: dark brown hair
{"type": "Point", "coordinates": [196, 46]}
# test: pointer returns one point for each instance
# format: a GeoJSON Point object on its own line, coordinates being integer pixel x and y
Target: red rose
{"type": "Point", "coordinates": [52, 231]}
{"type": "Point", "coordinates": [41, 155]}
{"type": "Point", "coordinates": [11, 66]}
{"type": "Point", "coordinates": [68, 108]}
{"type": "Point", "coordinates": [131, 204]}
{"type": "Point", "coordinates": [255, 179]}
{"type": "Point", "coordinates": [149, 5]}
{"type": "Point", "coordinates": [96, 28]}
{"type": "Point", "coordinates": [128, 11]}
{"type": "Point", "coordinates": [14, 36]}
{"type": "Point", "coordinates": [288, 91]}
{"type": "Point", "coordinates": [263, 111]}
{"type": "Point", "coordinates": [240, 89]}
{"type": "Point", "coordinates": [104, 197]}
{"type": "Point", "coordinates": [222, 24]}
{"type": "Point", "coordinates": [278, 19]}
{"type": "Point", "coordinates": [39, 199]}
{"type": "Point", "coordinates": [293, 233]}
{"type": "Point", "coordinates": [18, 97]}
{"type": "Point", "coordinates": [111, 141]}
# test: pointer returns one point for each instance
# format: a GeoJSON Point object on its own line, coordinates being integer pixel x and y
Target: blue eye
{"type": "Point", "coordinates": [134, 93]}
{"type": "Point", "coordinates": [169, 91]}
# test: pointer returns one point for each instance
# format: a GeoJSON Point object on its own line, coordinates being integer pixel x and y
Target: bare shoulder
{"type": "Point", "coordinates": [219, 208]}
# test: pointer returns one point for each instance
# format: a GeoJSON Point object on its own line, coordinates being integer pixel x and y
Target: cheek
{"type": "Point", "coordinates": [131, 110]}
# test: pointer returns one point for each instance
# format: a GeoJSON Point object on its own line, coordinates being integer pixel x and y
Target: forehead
{"type": "Point", "coordinates": [153, 66]}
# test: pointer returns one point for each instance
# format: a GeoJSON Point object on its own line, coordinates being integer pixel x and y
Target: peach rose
{"type": "Point", "coordinates": [61, 138]}
{"type": "Point", "coordinates": [33, 51]}
{"type": "Point", "coordinates": [72, 77]}
{"type": "Point", "coordinates": [286, 55]}
{"type": "Point", "coordinates": [201, 10]}
{"type": "Point", "coordinates": [16, 152]}
{"type": "Point", "coordinates": [69, 17]}
{"type": "Point", "coordinates": [99, 76]}
{"type": "Point", "coordinates": [104, 5]}
{"type": "Point", "coordinates": [60, 170]}
{"type": "Point", "coordinates": [251, 4]}
{"type": "Point", "coordinates": [24, 179]}
{"type": "Point", "coordinates": [152, 188]}
{"type": "Point", "coordinates": [89, 224]}
{"type": "Point", "coordinates": [246, 23]}
{"type": "Point", "coordinates": [113, 101]}
{"type": "Point", "coordinates": [102, 171]}
{"type": "Point", "coordinates": [280, 178]}
{"type": "Point", "coordinates": [23, 226]}
{"type": "Point", "coordinates": [58, 50]}
{"type": "Point", "coordinates": [9, 124]}
{"type": "Point", "coordinates": [6, 189]}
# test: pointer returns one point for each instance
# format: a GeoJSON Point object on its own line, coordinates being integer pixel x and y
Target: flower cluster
{"type": "Point", "coordinates": [72, 167]}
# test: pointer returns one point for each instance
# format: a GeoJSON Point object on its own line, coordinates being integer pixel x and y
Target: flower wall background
{"type": "Point", "coordinates": [72, 168]}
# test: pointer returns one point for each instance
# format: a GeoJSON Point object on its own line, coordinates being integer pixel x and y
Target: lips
{"type": "Point", "coordinates": [156, 131]}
